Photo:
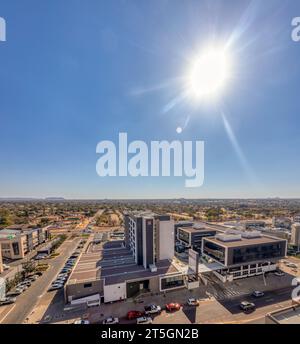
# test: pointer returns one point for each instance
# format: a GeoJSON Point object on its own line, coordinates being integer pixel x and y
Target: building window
{"type": "Point", "coordinates": [87, 285]}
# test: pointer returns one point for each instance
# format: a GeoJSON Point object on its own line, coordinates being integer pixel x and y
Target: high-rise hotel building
{"type": "Point", "coordinates": [150, 237]}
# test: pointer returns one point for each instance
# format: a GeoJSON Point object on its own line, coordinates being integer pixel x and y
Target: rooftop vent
{"type": "Point", "coordinates": [244, 234]}
{"type": "Point", "coordinates": [228, 237]}
{"type": "Point", "coordinates": [152, 267]}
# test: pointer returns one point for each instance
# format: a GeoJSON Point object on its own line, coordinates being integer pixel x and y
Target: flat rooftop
{"type": "Point", "coordinates": [197, 229]}
{"type": "Point", "coordinates": [137, 272]}
{"type": "Point", "coordinates": [114, 263]}
{"type": "Point", "coordinates": [290, 315]}
{"type": "Point", "coordinates": [245, 241]}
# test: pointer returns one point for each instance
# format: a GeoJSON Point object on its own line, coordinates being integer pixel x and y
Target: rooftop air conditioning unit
{"type": "Point", "coordinates": [229, 237]}
{"type": "Point", "coordinates": [152, 267]}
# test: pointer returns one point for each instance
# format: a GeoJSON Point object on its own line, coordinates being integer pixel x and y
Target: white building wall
{"type": "Point", "coordinates": [166, 239]}
{"type": "Point", "coordinates": [114, 292]}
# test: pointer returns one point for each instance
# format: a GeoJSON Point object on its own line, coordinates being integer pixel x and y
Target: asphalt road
{"type": "Point", "coordinates": [228, 311]}
{"type": "Point", "coordinates": [18, 312]}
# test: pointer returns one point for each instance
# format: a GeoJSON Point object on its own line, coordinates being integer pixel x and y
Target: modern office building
{"type": "Point", "coordinates": [296, 218]}
{"type": "Point", "coordinates": [150, 237]}
{"type": "Point", "coordinates": [192, 237]}
{"type": "Point", "coordinates": [243, 254]}
{"type": "Point", "coordinates": [181, 224]}
{"type": "Point", "coordinates": [281, 222]}
{"type": "Point", "coordinates": [16, 243]}
{"type": "Point", "coordinates": [252, 224]}
{"type": "Point", "coordinates": [295, 235]}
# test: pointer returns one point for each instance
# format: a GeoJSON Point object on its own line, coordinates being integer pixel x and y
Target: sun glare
{"type": "Point", "coordinates": [209, 73]}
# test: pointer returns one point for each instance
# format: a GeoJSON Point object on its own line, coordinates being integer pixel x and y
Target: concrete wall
{"type": "Point", "coordinates": [165, 240]}
{"type": "Point", "coordinates": [115, 292]}
{"type": "Point", "coordinates": [154, 284]}
{"type": "Point", "coordinates": [78, 290]}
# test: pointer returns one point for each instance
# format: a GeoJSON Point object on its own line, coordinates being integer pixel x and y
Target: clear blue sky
{"type": "Point", "coordinates": [73, 73]}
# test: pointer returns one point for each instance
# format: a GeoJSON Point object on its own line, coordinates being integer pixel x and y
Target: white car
{"type": "Point", "coordinates": [110, 321]}
{"type": "Point", "coordinates": [144, 320]}
{"type": "Point", "coordinates": [81, 322]}
{"type": "Point", "coordinates": [193, 302]}
{"type": "Point", "coordinates": [257, 293]}
{"type": "Point", "coordinates": [152, 309]}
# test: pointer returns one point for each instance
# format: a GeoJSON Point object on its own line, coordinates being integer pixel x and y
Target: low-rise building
{"type": "Point", "coordinates": [281, 222]}
{"type": "Point", "coordinates": [243, 254]}
{"type": "Point", "coordinates": [295, 235]}
{"type": "Point", "coordinates": [252, 224]}
{"type": "Point", "coordinates": [192, 237]}
{"type": "Point", "coordinates": [16, 243]}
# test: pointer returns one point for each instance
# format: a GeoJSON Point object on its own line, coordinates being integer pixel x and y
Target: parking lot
{"type": "Point", "coordinates": [25, 302]}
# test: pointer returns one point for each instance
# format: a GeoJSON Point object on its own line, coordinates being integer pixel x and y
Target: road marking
{"type": "Point", "coordinates": [270, 300]}
{"type": "Point", "coordinates": [7, 313]}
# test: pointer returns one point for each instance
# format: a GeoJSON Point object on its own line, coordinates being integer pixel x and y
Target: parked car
{"type": "Point", "coordinates": [193, 302]}
{"type": "Point", "coordinates": [13, 293]}
{"type": "Point", "coordinates": [144, 320]}
{"type": "Point", "coordinates": [279, 273]}
{"type": "Point", "coordinates": [56, 286]}
{"type": "Point", "coordinates": [292, 265]}
{"type": "Point", "coordinates": [26, 282]}
{"type": "Point", "coordinates": [173, 307]}
{"type": "Point", "coordinates": [24, 285]}
{"type": "Point", "coordinates": [21, 289]}
{"type": "Point", "coordinates": [5, 267]}
{"type": "Point", "coordinates": [81, 322]}
{"type": "Point", "coordinates": [40, 256]}
{"type": "Point", "coordinates": [134, 315]}
{"type": "Point", "coordinates": [32, 278]}
{"type": "Point", "coordinates": [152, 309]}
{"type": "Point", "coordinates": [7, 301]}
{"type": "Point", "coordinates": [247, 306]}
{"type": "Point", "coordinates": [110, 321]}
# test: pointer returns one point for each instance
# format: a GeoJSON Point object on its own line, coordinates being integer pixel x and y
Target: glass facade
{"type": "Point", "coordinates": [172, 282]}
{"type": "Point", "coordinates": [215, 251]}
{"type": "Point", "coordinates": [184, 236]}
{"type": "Point", "coordinates": [248, 254]}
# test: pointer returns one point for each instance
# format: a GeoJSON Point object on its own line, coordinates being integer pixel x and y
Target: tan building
{"type": "Point", "coordinates": [15, 243]}
{"type": "Point", "coordinates": [295, 238]}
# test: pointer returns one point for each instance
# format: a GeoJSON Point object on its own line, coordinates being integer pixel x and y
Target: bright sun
{"type": "Point", "coordinates": [209, 73]}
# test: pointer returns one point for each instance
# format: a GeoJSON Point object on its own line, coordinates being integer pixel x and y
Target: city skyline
{"type": "Point", "coordinates": [74, 76]}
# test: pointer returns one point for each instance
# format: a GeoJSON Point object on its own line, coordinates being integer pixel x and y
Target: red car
{"type": "Point", "coordinates": [134, 315]}
{"type": "Point", "coordinates": [173, 307]}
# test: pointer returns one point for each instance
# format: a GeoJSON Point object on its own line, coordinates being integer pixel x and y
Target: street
{"type": "Point", "coordinates": [17, 313]}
